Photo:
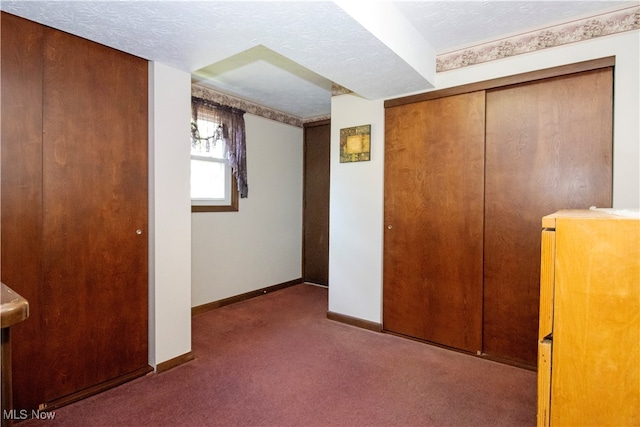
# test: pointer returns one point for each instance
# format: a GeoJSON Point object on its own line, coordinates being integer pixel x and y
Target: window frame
{"type": "Point", "coordinates": [232, 206]}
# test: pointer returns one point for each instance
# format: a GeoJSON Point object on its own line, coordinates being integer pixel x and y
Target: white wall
{"type": "Point", "coordinates": [355, 255]}
{"type": "Point", "coordinates": [169, 214]}
{"type": "Point", "coordinates": [261, 244]}
{"type": "Point", "coordinates": [355, 214]}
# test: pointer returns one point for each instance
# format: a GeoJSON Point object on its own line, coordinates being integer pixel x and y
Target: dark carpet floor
{"type": "Point", "coordinates": [276, 360]}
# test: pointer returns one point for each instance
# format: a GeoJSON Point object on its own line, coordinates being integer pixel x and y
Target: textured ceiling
{"type": "Point", "coordinates": [285, 55]}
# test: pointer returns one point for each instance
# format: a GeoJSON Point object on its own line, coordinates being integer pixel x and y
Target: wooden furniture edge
{"type": "Point", "coordinates": [354, 321]}
{"type": "Point", "coordinates": [550, 221]}
{"type": "Point", "coordinates": [172, 363]}
{"type": "Point", "coordinates": [530, 76]}
{"type": "Point", "coordinates": [242, 297]}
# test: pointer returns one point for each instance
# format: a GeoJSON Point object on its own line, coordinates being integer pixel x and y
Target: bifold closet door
{"type": "Point", "coordinates": [548, 147]}
{"type": "Point", "coordinates": [433, 213]}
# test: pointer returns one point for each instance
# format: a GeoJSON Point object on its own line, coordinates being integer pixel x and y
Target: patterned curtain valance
{"type": "Point", "coordinates": [231, 131]}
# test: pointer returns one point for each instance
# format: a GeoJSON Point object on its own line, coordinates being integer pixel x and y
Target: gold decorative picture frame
{"type": "Point", "coordinates": [355, 144]}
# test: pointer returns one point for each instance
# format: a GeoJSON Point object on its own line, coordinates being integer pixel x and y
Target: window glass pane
{"type": "Point", "coordinates": [212, 146]}
{"type": "Point", "coordinates": [207, 179]}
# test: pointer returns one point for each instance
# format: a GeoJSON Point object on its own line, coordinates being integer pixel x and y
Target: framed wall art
{"type": "Point", "coordinates": [355, 144]}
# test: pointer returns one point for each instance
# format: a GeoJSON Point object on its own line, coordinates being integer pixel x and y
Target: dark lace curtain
{"type": "Point", "coordinates": [231, 131]}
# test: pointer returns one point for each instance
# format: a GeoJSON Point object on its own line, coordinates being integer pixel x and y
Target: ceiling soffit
{"type": "Point", "coordinates": [302, 50]}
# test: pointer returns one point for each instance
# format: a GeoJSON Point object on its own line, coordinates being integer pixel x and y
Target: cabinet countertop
{"type": "Point", "coordinates": [13, 308]}
{"type": "Point", "coordinates": [549, 221]}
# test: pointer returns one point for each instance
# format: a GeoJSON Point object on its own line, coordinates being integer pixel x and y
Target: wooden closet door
{"type": "Point", "coordinates": [21, 194]}
{"type": "Point", "coordinates": [95, 213]}
{"type": "Point", "coordinates": [433, 211]}
{"type": "Point", "coordinates": [548, 147]}
{"type": "Point", "coordinates": [317, 147]}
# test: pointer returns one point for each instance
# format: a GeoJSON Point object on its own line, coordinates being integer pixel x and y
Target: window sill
{"type": "Point", "coordinates": [233, 207]}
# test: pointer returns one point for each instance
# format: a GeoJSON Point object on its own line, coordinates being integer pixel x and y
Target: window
{"type": "Point", "coordinates": [211, 176]}
{"type": "Point", "coordinates": [218, 157]}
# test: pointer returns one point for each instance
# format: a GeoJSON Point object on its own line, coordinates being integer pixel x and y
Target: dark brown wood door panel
{"type": "Point", "coordinates": [22, 194]}
{"type": "Point", "coordinates": [433, 217]}
{"type": "Point", "coordinates": [317, 147]}
{"type": "Point", "coordinates": [548, 147]}
{"type": "Point", "coordinates": [74, 193]}
{"type": "Point", "coordinates": [95, 199]}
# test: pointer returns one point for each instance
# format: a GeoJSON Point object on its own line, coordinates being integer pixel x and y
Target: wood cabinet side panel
{"type": "Point", "coordinates": [596, 345]}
